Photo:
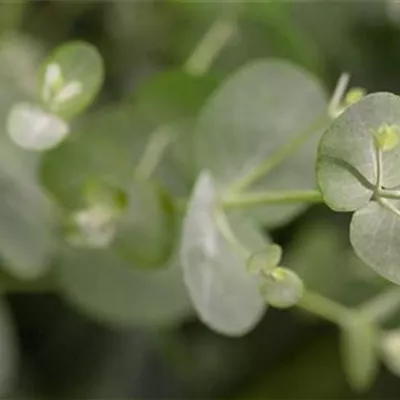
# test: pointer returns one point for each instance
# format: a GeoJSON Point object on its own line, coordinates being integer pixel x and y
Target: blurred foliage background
{"type": "Point", "coordinates": [63, 353]}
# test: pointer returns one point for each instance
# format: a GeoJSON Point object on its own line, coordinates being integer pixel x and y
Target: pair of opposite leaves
{"type": "Point", "coordinates": [347, 170]}
{"type": "Point", "coordinates": [249, 119]}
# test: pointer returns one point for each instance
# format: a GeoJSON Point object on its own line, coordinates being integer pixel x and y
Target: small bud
{"type": "Point", "coordinates": [264, 261]}
{"type": "Point", "coordinates": [283, 288]}
{"type": "Point", "coordinates": [387, 137]}
{"type": "Point", "coordinates": [354, 95]}
{"type": "Point", "coordinates": [55, 90]}
{"type": "Point", "coordinates": [69, 91]}
{"type": "Point", "coordinates": [93, 227]}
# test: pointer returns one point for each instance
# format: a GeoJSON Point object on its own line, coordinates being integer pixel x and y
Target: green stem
{"type": "Point", "coordinates": [324, 308]}
{"type": "Point", "coordinates": [389, 206]}
{"type": "Point", "coordinates": [382, 306]}
{"type": "Point", "coordinates": [272, 197]}
{"type": "Point", "coordinates": [338, 94]}
{"type": "Point", "coordinates": [156, 146]}
{"type": "Point", "coordinates": [378, 184]}
{"type": "Point", "coordinates": [280, 155]}
{"type": "Point", "coordinates": [201, 59]}
{"type": "Point", "coordinates": [389, 193]}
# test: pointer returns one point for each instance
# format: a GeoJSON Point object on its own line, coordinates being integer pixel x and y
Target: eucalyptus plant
{"type": "Point", "coordinates": [179, 209]}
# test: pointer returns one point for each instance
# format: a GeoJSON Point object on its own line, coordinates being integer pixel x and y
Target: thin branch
{"type": "Point", "coordinates": [216, 38]}
{"type": "Point", "coordinates": [280, 155]}
{"type": "Point", "coordinates": [272, 197]}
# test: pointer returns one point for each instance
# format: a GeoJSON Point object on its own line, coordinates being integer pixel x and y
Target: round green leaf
{"type": "Point", "coordinates": [375, 236]}
{"type": "Point", "coordinates": [283, 288]}
{"type": "Point", "coordinates": [359, 352]}
{"type": "Point", "coordinates": [346, 165]}
{"type": "Point", "coordinates": [106, 148]}
{"type": "Point", "coordinates": [34, 129]}
{"type": "Point", "coordinates": [146, 232]}
{"type": "Point", "coordinates": [71, 78]}
{"type": "Point", "coordinates": [225, 295]}
{"type": "Point", "coordinates": [101, 285]}
{"type": "Point", "coordinates": [250, 118]}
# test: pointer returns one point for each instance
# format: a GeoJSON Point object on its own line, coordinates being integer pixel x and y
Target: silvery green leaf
{"type": "Point", "coordinates": [34, 129]}
{"type": "Point", "coordinates": [225, 295]}
{"type": "Point", "coordinates": [347, 164]}
{"type": "Point", "coordinates": [250, 118]}
{"type": "Point", "coordinates": [375, 236]}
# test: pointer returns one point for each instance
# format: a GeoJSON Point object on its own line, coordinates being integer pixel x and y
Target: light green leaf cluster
{"type": "Point", "coordinates": [69, 80]}
{"type": "Point", "coordinates": [114, 177]}
{"type": "Point", "coordinates": [358, 171]}
{"type": "Point", "coordinates": [28, 237]}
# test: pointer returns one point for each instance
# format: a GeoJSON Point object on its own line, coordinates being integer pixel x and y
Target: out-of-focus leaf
{"type": "Point", "coordinates": [27, 215]}
{"type": "Point", "coordinates": [359, 351]}
{"type": "Point", "coordinates": [34, 129]}
{"type": "Point", "coordinates": [27, 225]}
{"type": "Point", "coordinates": [147, 230]}
{"type": "Point", "coordinates": [224, 293]}
{"type": "Point", "coordinates": [173, 95]}
{"type": "Point", "coordinates": [108, 289]}
{"type": "Point", "coordinates": [172, 99]}
{"type": "Point", "coordinates": [246, 121]}
{"type": "Point", "coordinates": [106, 148]}
{"type": "Point", "coordinates": [70, 79]}
{"type": "Point", "coordinates": [8, 353]}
